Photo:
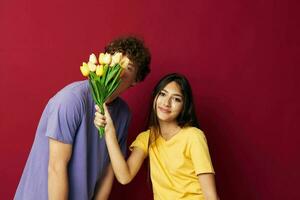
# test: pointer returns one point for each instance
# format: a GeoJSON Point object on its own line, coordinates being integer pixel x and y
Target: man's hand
{"type": "Point", "coordinates": [104, 188]}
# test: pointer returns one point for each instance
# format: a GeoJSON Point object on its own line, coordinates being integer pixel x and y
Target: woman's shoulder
{"type": "Point", "coordinates": [144, 134]}
{"type": "Point", "coordinates": [193, 132]}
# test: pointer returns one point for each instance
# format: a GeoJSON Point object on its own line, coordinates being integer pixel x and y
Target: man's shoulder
{"type": "Point", "coordinates": [75, 87]}
{"type": "Point", "coordinates": [71, 93]}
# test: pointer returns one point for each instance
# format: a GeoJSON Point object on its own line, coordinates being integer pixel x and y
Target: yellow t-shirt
{"type": "Point", "coordinates": [175, 163]}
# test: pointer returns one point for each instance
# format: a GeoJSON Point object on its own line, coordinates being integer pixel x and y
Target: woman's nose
{"type": "Point", "coordinates": [167, 101]}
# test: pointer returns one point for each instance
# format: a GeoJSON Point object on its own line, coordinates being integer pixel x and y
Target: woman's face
{"type": "Point", "coordinates": [169, 102]}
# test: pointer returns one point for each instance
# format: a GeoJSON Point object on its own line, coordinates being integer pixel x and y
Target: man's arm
{"type": "Point", "coordinates": [59, 156]}
{"type": "Point", "coordinates": [104, 188]}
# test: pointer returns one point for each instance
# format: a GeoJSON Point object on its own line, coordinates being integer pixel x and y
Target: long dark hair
{"type": "Point", "coordinates": [187, 117]}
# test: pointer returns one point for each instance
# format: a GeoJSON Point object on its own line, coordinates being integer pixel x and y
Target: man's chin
{"type": "Point", "coordinates": [111, 98]}
{"type": "Point", "coordinates": [114, 95]}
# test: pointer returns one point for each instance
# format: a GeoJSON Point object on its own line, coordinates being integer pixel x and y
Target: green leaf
{"type": "Point", "coordinates": [93, 91]}
{"type": "Point", "coordinates": [105, 68]}
{"type": "Point", "coordinates": [117, 77]}
{"type": "Point", "coordinates": [113, 88]}
{"type": "Point", "coordinates": [102, 90]}
{"type": "Point", "coordinates": [96, 90]}
{"type": "Point", "coordinates": [110, 75]}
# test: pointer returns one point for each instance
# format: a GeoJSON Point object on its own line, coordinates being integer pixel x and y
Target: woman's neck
{"type": "Point", "coordinates": [169, 129]}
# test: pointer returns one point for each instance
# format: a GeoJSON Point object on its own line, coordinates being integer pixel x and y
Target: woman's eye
{"type": "Point", "coordinates": [162, 94]}
{"type": "Point", "coordinates": [177, 100]}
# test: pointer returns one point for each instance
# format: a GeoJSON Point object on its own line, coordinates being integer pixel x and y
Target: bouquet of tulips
{"type": "Point", "coordinates": [104, 76]}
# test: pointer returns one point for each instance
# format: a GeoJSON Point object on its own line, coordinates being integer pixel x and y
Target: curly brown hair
{"type": "Point", "coordinates": [135, 49]}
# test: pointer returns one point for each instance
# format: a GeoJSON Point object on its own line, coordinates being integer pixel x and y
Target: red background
{"type": "Point", "coordinates": [242, 58]}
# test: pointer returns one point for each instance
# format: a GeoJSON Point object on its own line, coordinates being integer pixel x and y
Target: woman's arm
{"type": "Point", "coordinates": [207, 182]}
{"type": "Point", "coordinates": [124, 170]}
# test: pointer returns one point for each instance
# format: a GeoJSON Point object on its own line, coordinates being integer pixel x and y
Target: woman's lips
{"type": "Point", "coordinates": [164, 110]}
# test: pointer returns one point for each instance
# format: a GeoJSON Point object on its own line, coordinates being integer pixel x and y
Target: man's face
{"type": "Point", "coordinates": [128, 80]}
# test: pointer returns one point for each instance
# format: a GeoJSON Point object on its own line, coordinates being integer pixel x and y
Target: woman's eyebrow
{"type": "Point", "coordinates": [175, 94]}
{"type": "Point", "coordinates": [179, 95]}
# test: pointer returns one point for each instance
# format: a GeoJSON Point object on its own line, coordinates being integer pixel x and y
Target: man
{"type": "Point", "coordinates": [68, 159]}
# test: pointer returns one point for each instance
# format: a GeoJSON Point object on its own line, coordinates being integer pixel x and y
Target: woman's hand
{"type": "Point", "coordinates": [103, 120]}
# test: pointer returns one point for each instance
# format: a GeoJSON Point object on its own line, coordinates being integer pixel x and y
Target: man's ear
{"type": "Point", "coordinates": [133, 84]}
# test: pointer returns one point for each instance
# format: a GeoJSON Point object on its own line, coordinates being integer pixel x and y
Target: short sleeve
{"type": "Point", "coordinates": [63, 117]}
{"type": "Point", "coordinates": [199, 153]}
{"type": "Point", "coordinates": [141, 142]}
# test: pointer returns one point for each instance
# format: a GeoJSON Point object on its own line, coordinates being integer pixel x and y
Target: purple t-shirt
{"type": "Point", "coordinates": [68, 118]}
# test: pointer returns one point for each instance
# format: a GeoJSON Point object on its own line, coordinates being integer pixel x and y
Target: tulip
{"type": "Point", "coordinates": [104, 59]}
{"type": "Point", "coordinates": [99, 70]}
{"type": "Point", "coordinates": [85, 69]}
{"type": "Point", "coordinates": [93, 59]}
{"type": "Point", "coordinates": [116, 58]}
{"type": "Point", "coordinates": [124, 62]}
{"type": "Point", "coordinates": [107, 58]}
{"type": "Point", "coordinates": [92, 67]}
{"type": "Point", "coordinates": [101, 56]}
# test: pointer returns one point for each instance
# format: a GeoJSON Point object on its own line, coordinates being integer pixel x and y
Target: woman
{"type": "Point", "coordinates": [180, 164]}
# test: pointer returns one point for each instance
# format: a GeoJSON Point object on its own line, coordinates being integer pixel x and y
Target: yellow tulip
{"type": "Point", "coordinates": [124, 62]}
{"type": "Point", "coordinates": [107, 59]}
{"type": "Point", "coordinates": [85, 69]}
{"type": "Point", "coordinates": [101, 56]}
{"type": "Point", "coordinates": [99, 70]}
{"type": "Point", "coordinates": [92, 66]}
{"type": "Point", "coordinates": [93, 59]}
{"type": "Point", "coordinates": [116, 58]}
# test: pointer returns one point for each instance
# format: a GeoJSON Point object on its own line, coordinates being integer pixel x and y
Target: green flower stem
{"type": "Point", "coordinates": [101, 129]}
{"type": "Point", "coordinates": [102, 87]}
